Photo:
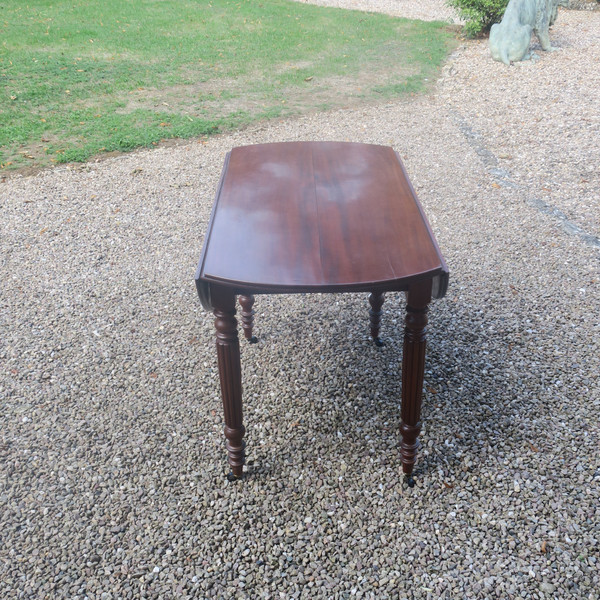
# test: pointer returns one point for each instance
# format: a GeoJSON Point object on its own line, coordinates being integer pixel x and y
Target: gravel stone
{"type": "Point", "coordinates": [111, 447]}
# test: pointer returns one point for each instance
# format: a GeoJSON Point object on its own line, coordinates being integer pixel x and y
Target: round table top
{"type": "Point", "coordinates": [317, 216]}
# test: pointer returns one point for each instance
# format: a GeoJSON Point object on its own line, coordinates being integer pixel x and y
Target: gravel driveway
{"type": "Point", "coordinates": [111, 448]}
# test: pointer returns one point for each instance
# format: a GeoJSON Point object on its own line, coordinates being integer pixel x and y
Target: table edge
{"type": "Point", "coordinates": [439, 275]}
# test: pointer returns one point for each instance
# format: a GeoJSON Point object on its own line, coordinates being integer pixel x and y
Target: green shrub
{"type": "Point", "coordinates": [479, 15]}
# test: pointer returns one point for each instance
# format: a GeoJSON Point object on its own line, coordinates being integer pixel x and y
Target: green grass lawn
{"type": "Point", "coordinates": [81, 77]}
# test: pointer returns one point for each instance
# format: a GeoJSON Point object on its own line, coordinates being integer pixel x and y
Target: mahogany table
{"type": "Point", "coordinates": [302, 217]}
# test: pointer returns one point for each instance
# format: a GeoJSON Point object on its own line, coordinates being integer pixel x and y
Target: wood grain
{"type": "Point", "coordinates": [317, 216]}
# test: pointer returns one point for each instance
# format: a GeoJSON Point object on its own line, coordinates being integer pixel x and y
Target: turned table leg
{"type": "Point", "coordinates": [376, 300]}
{"type": "Point", "coordinates": [247, 302]}
{"type": "Point", "coordinates": [413, 370]}
{"type": "Point", "coordinates": [230, 374]}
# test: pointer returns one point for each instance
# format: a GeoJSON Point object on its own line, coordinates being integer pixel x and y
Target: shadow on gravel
{"type": "Point", "coordinates": [339, 399]}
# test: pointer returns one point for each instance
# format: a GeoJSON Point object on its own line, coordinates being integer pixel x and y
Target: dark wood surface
{"type": "Point", "coordinates": [413, 371]}
{"type": "Point", "coordinates": [230, 375]}
{"type": "Point", "coordinates": [317, 216]}
{"type": "Point", "coordinates": [376, 300]}
{"type": "Point", "coordinates": [247, 313]}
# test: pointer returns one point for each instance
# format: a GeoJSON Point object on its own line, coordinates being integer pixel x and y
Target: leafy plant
{"type": "Point", "coordinates": [479, 15]}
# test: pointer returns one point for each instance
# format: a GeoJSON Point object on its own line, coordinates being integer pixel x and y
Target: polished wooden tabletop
{"type": "Point", "coordinates": [317, 216]}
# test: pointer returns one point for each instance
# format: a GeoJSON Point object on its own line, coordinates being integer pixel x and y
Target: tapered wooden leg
{"type": "Point", "coordinates": [230, 374]}
{"type": "Point", "coordinates": [376, 300]}
{"type": "Point", "coordinates": [247, 302]}
{"type": "Point", "coordinates": [413, 370]}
